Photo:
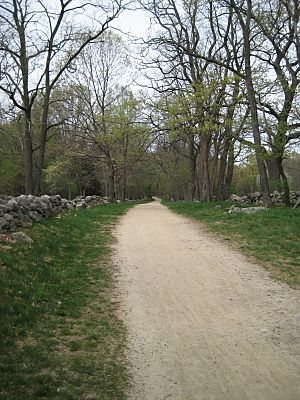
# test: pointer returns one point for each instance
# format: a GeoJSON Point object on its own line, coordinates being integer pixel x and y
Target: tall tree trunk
{"type": "Point", "coordinates": [26, 107]}
{"type": "Point", "coordinates": [222, 170]}
{"type": "Point", "coordinates": [192, 171]}
{"type": "Point", "coordinates": [264, 183]}
{"type": "Point", "coordinates": [224, 182]}
{"type": "Point", "coordinates": [286, 189]}
{"type": "Point", "coordinates": [274, 173]}
{"type": "Point", "coordinates": [124, 184]}
{"type": "Point", "coordinates": [111, 180]}
{"type": "Point", "coordinates": [124, 169]}
{"type": "Point", "coordinates": [214, 167]}
{"type": "Point", "coordinates": [204, 178]}
{"type": "Point", "coordinates": [28, 157]}
{"type": "Point", "coordinates": [42, 144]}
{"type": "Point", "coordinates": [229, 174]}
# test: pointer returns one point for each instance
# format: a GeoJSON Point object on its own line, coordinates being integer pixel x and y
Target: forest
{"type": "Point", "coordinates": [204, 104]}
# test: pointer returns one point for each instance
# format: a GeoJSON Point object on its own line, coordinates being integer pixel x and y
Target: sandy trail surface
{"type": "Point", "coordinates": [203, 322]}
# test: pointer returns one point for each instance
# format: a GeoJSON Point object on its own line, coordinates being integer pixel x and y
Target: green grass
{"type": "Point", "coordinates": [60, 337]}
{"type": "Point", "coordinates": [272, 237]}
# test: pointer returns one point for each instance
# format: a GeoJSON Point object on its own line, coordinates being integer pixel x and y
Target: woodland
{"type": "Point", "coordinates": [203, 105]}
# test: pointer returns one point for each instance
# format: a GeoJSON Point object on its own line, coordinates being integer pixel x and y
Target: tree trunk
{"type": "Point", "coordinates": [204, 178]}
{"type": "Point", "coordinates": [264, 183]}
{"type": "Point", "coordinates": [286, 189]}
{"type": "Point", "coordinates": [213, 172]}
{"type": "Point", "coordinates": [28, 157]}
{"type": "Point", "coordinates": [230, 164]}
{"type": "Point", "coordinates": [111, 181]}
{"type": "Point", "coordinates": [124, 185]}
{"type": "Point", "coordinates": [222, 171]}
{"type": "Point", "coordinates": [192, 171]}
{"type": "Point", "coordinates": [42, 149]}
{"type": "Point", "coordinates": [224, 182]}
{"type": "Point", "coordinates": [28, 133]}
{"type": "Point", "coordinates": [274, 173]}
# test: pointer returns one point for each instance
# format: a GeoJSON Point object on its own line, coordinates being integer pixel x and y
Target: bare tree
{"type": "Point", "coordinates": [38, 43]}
{"type": "Point", "coordinates": [109, 116]}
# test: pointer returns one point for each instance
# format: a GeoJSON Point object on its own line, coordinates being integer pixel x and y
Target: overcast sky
{"type": "Point", "coordinates": [135, 22]}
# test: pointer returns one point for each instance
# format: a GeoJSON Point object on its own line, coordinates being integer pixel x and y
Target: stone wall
{"type": "Point", "coordinates": [21, 210]}
{"type": "Point", "coordinates": [256, 198]}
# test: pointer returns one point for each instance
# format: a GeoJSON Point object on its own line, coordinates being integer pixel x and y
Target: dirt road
{"type": "Point", "coordinates": [203, 322]}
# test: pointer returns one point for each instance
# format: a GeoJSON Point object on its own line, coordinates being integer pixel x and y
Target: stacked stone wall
{"type": "Point", "coordinates": [256, 198]}
{"type": "Point", "coordinates": [22, 210]}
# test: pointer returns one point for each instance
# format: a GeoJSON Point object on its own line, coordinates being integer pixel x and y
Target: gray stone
{"type": "Point", "coordinates": [248, 210]}
{"type": "Point", "coordinates": [3, 208]}
{"type": "Point", "coordinates": [4, 199]}
{"type": "Point", "coordinates": [12, 204]}
{"type": "Point", "coordinates": [21, 237]}
{"type": "Point", "coordinates": [45, 198]}
{"type": "Point", "coordinates": [3, 223]}
{"type": "Point", "coordinates": [234, 210]}
{"type": "Point", "coordinates": [253, 210]}
{"type": "Point", "coordinates": [8, 217]}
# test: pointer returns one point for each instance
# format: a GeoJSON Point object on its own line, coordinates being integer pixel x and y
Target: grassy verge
{"type": "Point", "coordinates": [271, 237]}
{"type": "Point", "coordinates": [60, 336]}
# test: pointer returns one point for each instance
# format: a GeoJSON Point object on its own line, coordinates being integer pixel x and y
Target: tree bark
{"type": "Point", "coordinates": [124, 184]}
{"type": "Point", "coordinates": [274, 173]}
{"type": "Point", "coordinates": [229, 173]}
{"type": "Point", "coordinates": [192, 171]}
{"type": "Point", "coordinates": [111, 180]}
{"type": "Point", "coordinates": [222, 171]}
{"type": "Point", "coordinates": [286, 189]}
{"type": "Point", "coordinates": [204, 178]}
{"type": "Point", "coordinates": [28, 157]}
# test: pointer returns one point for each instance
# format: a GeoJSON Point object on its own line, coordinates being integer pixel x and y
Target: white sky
{"type": "Point", "coordinates": [134, 22]}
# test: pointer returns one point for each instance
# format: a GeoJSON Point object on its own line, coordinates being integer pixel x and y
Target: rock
{"type": "Point", "coordinates": [218, 207]}
{"type": "Point", "coordinates": [4, 199]}
{"type": "Point", "coordinates": [34, 215]}
{"type": "Point", "coordinates": [21, 237]}
{"type": "Point", "coordinates": [8, 217]}
{"type": "Point", "coordinates": [253, 210]}
{"type": "Point", "coordinates": [297, 203]}
{"type": "Point", "coordinates": [3, 223]}
{"type": "Point", "coordinates": [12, 204]}
{"type": "Point", "coordinates": [234, 210]}
{"type": "Point", "coordinates": [248, 210]}
{"type": "Point", "coordinates": [45, 198]}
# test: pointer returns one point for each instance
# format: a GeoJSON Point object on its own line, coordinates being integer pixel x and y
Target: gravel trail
{"type": "Point", "coordinates": [204, 323]}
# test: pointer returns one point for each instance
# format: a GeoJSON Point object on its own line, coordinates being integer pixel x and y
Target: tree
{"type": "Point", "coordinates": [38, 43]}
{"type": "Point", "coordinates": [109, 117]}
{"type": "Point", "coordinates": [207, 85]}
{"type": "Point", "coordinates": [277, 21]}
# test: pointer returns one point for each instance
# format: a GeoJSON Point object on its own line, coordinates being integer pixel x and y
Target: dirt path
{"type": "Point", "coordinates": [204, 323]}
